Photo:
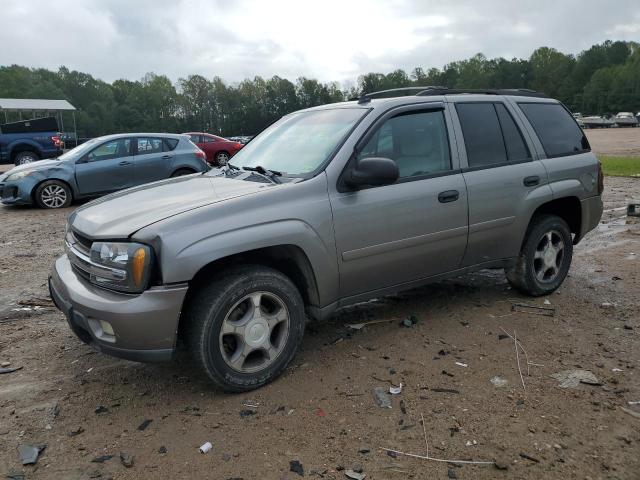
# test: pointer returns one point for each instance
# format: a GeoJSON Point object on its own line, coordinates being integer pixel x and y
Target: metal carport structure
{"type": "Point", "coordinates": [32, 106]}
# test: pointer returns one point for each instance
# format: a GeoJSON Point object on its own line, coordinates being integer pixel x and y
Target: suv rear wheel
{"type": "Point", "coordinates": [244, 328]}
{"type": "Point", "coordinates": [22, 158]}
{"type": "Point", "coordinates": [545, 257]}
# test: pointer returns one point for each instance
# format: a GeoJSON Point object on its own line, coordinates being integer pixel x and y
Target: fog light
{"type": "Point", "coordinates": [106, 328]}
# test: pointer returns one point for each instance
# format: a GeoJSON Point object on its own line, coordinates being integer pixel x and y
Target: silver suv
{"type": "Point", "coordinates": [327, 207]}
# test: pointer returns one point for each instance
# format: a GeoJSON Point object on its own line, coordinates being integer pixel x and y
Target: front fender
{"type": "Point", "coordinates": [181, 265]}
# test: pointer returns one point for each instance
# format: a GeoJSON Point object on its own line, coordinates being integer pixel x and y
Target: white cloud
{"type": "Point", "coordinates": [329, 40]}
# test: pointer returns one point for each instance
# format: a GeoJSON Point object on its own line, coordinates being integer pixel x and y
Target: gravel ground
{"type": "Point", "coordinates": [321, 412]}
{"type": "Point", "coordinates": [615, 141]}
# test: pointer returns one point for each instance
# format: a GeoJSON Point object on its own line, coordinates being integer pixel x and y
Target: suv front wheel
{"type": "Point", "coordinates": [244, 328]}
{"type": "Point", "coordinates": [545, 257]}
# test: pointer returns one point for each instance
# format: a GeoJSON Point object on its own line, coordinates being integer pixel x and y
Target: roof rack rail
{"type": "Point", "coordinates": [522, 92]}
{"type": "Point", "coordinates": [438, 90]}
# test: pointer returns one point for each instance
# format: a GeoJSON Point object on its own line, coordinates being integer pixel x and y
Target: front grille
{"type": "Point", "coordinates": [81, 242]}
{"type": "Point", "coordinates": [8, 192]}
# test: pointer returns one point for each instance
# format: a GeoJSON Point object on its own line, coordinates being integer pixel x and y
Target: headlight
{"type": "Point", "coordinates": [18, 175]}
{"type": "Point", "coordinates": [127, 265]}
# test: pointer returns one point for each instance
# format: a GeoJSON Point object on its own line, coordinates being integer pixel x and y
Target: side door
{"type": "Point", "coordinates": [152, 160]}
{"type": "Point", "coordinates": [505, 180]}
{"type": "Point", "coordinates": [415, 228]}
{"type": "Point", "coordinates": [106, 168]}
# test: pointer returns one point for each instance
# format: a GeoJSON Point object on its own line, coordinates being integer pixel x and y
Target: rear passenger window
{"type": "Point", "coordinates": [149, 145]}
{"type": "Point", "coordinates": [169, 144]}
{"type": "Point", "coordinates": [482, 134]}
{"type": "Point", "coordinates": [557, 130]}
{"type": "Point", "coordinates": [516, 147]}
{"type": "Point", "coordinates": [416, 141]}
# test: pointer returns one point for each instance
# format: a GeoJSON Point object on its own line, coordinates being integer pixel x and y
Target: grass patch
{"type": "Point", "coordinates": [620, 166]}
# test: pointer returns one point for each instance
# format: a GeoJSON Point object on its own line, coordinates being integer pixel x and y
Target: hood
{"type": "Point", "coordinates": [39, 165]}
{"type": "Point", "coordinates": [121, 214]}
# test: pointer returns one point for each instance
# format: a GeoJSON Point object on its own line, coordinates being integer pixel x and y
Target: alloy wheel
{"type": "Point", "coordinates": [254, 332]}
{"type": "Point", "coordinates": [548, 256]}
{"type": "Point", "coordinates": [53, 196]}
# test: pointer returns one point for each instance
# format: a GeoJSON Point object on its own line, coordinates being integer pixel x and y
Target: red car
{"type": "Point", "coordinates": [217, 149]}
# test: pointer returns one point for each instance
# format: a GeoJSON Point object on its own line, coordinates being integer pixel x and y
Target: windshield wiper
{"type": "Point", "coordinates": [271, 174]}
{"type": "Point", "coordinates": [232, 166]}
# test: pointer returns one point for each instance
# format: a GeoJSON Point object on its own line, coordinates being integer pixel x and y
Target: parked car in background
{"type": "Point", "coordinates": [328, 207]}
{"type": "Point", "coordinates": [625, 119]}
{"type": "Point", "coordinates": [243, 139]}
{"type": "Point", "coordinates": [29, 140]}
{"type": "Point", "coordinates": [596, 121]}
{"type": "Point", "coordinates": [100, 166]}
{"type": "Point", "coordinates": [217, 149]}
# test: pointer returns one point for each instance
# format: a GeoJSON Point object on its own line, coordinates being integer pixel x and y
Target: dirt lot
{"type": "Point", "coordinates": [321, 412]}
{"type": "Point", "coordinates": [615, 141]}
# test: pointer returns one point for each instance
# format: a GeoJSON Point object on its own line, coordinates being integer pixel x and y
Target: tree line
{"type": "Point", "coordinates": [603, 79]}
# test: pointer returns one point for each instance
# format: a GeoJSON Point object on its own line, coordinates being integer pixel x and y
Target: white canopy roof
{"type": "Point", "coordinates": [31, 104]}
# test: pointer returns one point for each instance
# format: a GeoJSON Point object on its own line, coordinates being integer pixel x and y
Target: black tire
{"type": "Point", "coordinates": [22, 158]}
{"type": "Point", "coordinates": [53, 194]}
{"type": "Point", "coordinates": [209, 308]}
{"type": "Point", "coordinates": [182, 171]}
{"type": "Point", "coordinates": [529, 275]}
{"type": "Point", "coordinates": [222, 158]}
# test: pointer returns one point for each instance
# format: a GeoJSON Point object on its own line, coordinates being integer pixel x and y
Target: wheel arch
{"type": "Point", "coordinates": [40, 182]}
{"type": "Point", "coordinates": [568, 208]}
{"type": "Point", "coordinates": [23, 146]}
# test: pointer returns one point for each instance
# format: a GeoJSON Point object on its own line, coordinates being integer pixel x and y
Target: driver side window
{"type": "Point", "coordinates": [416, 141]}
{"type": "Point", "coordinates": [110, 150]}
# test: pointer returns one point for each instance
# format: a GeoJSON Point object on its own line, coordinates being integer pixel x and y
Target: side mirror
{"type": "Point", "coordinates": [373, 172]}
{"type": "Point", "coordinates": [83, 159]}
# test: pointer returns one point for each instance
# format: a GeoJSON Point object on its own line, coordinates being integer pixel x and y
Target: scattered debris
{"type": "Point", "coordinates": [502, 336]}
{"type": "Point", "coordinates": [573, 378]}
{"type": "Point", "coordinates": [29, 453]}
{"type": "Point", "coordinates": [409, 322]}
{"type": "Point", "coordinates": [13, 475]}
{"type": "Point", "coordinates": [460, 364]}
{"type": "Point", "coordinates": [296, 467]}
{"type": "Point", "coordinates": [75, 432]}
{"type": "Point", "coordinates": [471, 443]}
{"type": "Point", "coordinates": [10, 369]}
{"type": "Point", "coordinates": [355, 475]}
{"type": "Point", "coordinates": [101, 459]}
{"type": "Point", "coordinates": [634, 402]}
{"type": "Point", "coordinates": [247, 413]}
{"type": "Point", "coordinates": [126, 459]}
{"type": "Point", "coordinates": [425, 457]}
{"type": "Point", "coordinates": [633, 208]}
{"type": "Point", "coordinates": [101, 409]}
{"type": "Point", "coordinates": [5, 364]}
{"type": "Point", "coordinates": [364, 450]}
{"type": "Point", "coordinates": [143, 426]}
{"type": "Point", "coordinates": [162, 450]}
{"type": "Point", "coordinates": [546, 301]}
{"type": "Point", "coordinates": [630, 412]}
{"type": "Point", "coordinates": [607, 305]}
{"type": "Point", "coordinates": [250, 404]}
{"type": "Point", "coordinates": [55, 410]}
{"type": "Point", "coordinates": [616, 369]}
{"type": "Point", "coordinates": [534, 309]}
{"type": "Point", "coordinates": [499, 381]}
{"type": "Point", "coordinates": [529, 457]}
{"type": "Point", "coordinates": [395, 390]}
{"type": "Point", "coordinates": [444, 372]}
{"type": "Point", "coordinates": [205, 447]}
{"type": "Point", "coordinates": [451, 473]}
{"type": "Point", "coordinates": [444, 390]}
{"type": "Point", "coordinates": [320, 413]}
{"type": "Point", "coordinates": [360, 326]}
{"type": "Point", "coordinates": [381, 398]}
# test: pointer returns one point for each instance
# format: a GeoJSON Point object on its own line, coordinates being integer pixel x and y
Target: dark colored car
{"type": "Point", "coordinates": [100, 166]}
{"type": "Point", "coordinates": [217, 149]}
{"type": "Point", "coordinates": [29, 140]}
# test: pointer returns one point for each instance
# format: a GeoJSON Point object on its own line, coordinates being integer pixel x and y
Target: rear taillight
{"type": "Point", "coordinates": [56, 141]}
{"type": "Point", "coordinates": [600, 179]}
{"type": "Point", "coordinates": [238, 145]}
{"type": "Point", "coordinates": [200, 154]}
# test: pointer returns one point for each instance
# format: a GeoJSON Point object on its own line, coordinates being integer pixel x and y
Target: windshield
{"type": "Point", "coordinates": [80, 150]}
{"type": "Point", "coordinates": [300, 143]}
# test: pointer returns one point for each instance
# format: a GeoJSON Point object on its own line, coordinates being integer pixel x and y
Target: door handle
{"type": "Point", "coordinates": [448, 196]}
{"type": "Point", "coordinates": [124, 162]}
{"type": "Point", "coordinates": [531, 181]}
{"type": "Point", "coordinates": [166, 157]}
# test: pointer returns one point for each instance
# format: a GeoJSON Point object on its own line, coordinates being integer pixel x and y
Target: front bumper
{"type": "Point", "coordinates": [144, 325]}
{"type": "Point", "coordinates": [16, 193]}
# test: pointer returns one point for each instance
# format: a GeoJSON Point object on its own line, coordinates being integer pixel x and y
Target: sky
{"type": "Point", "coordinates": [330, 40]}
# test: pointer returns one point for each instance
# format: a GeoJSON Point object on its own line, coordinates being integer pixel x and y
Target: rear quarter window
{"type": "Point", "coordinates": [557, 130]}
{"type": "Point", "coordinates": [169, 144]}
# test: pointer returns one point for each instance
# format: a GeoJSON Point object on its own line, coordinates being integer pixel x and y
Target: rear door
{"type": "Point", "coordinates": [505, 182]}
{"type": "Point", "coordinates": [106, 168]}
{"type": "Point", "coordinates": [414, 228]}
{"type": "Point", "coordinates": [152, 160]}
